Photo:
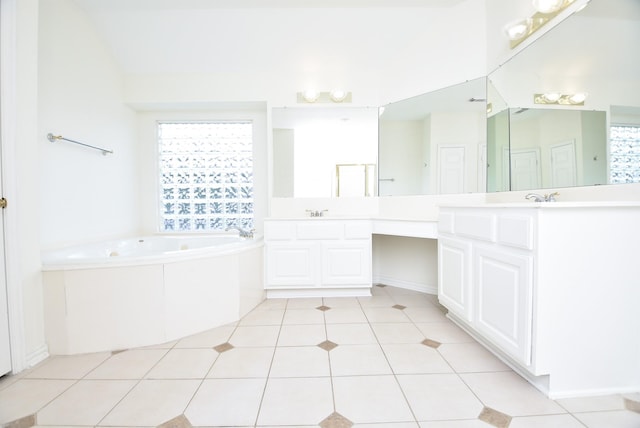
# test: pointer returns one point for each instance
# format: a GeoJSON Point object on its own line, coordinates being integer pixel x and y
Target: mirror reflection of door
{"type": "Point", "coordinates": [563, 164]}
{"type": "Point", "coordinates": [525, 169]}
{"type": "Point", "coordinates": [451, 169]}
{"type": "Point", "coordinates": [355, 180]}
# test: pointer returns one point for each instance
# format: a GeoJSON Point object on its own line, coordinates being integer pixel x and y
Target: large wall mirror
{"type": "Point", "coordinates": [434, 143]}
{"type": "Point", "coordinates": [533, 145]}
{"type": "Point", "coordinates": [324, 152]}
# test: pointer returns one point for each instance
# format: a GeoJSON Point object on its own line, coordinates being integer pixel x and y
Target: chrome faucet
{"type": "Point", "coordinates": [316, 213]}
{"type": "Point", "coordinates": [540, 198]}
{"type": "Point", "coordinates": [242, 232]}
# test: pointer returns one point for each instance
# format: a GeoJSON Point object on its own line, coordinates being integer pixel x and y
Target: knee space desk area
{"type": "Point", "coordinates": [550, 288]}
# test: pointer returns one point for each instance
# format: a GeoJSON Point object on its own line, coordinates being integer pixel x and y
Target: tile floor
{"type": "Point", "coordinates": [391, 360]}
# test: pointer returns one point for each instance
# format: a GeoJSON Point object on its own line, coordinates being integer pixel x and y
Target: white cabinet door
{"type": "Point", "coordinates": [346, 262]}
{"type": "Point", "coordinates": [454, 269]}
{"type": "Point", "coordinates": [291, 264]}
{"type": "Point", "coordinates": [503, 312]}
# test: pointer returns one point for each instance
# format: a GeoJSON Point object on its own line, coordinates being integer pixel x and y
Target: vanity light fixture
{"type": "Point", "coordinates": [557, 98]}
{"type": "Point", "coordinates": [335, 96]}
{"type": "Point", "coordinates": [545, 11]}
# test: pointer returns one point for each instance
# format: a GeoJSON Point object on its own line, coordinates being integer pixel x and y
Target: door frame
{"type": "Point", "coordinates": [8, 83]}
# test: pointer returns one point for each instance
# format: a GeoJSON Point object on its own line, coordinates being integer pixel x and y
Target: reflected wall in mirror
{"type": "Point", "coordinates": [318, 152]}
{"type": "Point", "coordinates": [434, 143]}
{"type": "Point", "coordinates": [592, 51]}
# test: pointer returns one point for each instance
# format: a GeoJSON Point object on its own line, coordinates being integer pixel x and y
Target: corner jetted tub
{"type": "Point", "coordinates": [143, 291]}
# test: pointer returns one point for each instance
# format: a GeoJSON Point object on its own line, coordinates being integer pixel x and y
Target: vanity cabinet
{"type": "Point", "coordinates": [550, 288]}
{"type": "Point", "coordinates": [318, 257]}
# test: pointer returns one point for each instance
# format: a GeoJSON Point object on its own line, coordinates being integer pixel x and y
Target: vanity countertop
{"type": "Point", "coordinates": [551, 205]}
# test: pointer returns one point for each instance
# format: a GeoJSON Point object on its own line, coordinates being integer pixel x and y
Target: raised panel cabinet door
{"type": "Point", "coordinates": [454, 276]}
{"type": "Point", "coordinates": [346, 263]}
{"type": "Point", "coordinates": [291, 264]}
{"type": "Point", "coordinates": [504, 300]}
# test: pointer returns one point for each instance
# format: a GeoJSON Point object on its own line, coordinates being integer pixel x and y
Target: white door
{"type": "Point", "coordinates": [525, 169]}
{"type": "Point", "coordinates": [5, 350]}
{"type": "Point", "coordinates": [563, 164]}
{"type": "Point", "coordinates": [451, 169]}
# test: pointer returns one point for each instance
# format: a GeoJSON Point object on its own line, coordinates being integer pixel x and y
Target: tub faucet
{"type": "Point", "coordinates": [540, 198]}
{"type": "Point", "coordinates": [242, 232]}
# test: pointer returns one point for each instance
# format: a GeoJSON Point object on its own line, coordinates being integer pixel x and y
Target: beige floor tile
{"type": "Point", "coordinates": [471, 357]}
{"type": "Point", "coordinates": [304, 303]}
{"type": "Point", "coordinates": [388, 425]}
{"type": "Point", "coordinates": [67, 367]}
{"type": "Point", "coordinates": [377, 301]}
{"type": "Point", "coordinates": [612, 419]}
{"type": "Point", "coordinates": [276, 304]}
{"type": "Point", "coordinates": [444, 332]}
{"type": "Point", "coordinates": [296, 401]}
{"type": "Point", "coordinates": [469, 423]}
{"type": "Point", "coordinates": [152, 402]}
{"type": "Point", "coordinates": [440, 397]}
{"type": "Point", "coordinates": [85, 403]}
{"type": "Point", "coordinates": [302, 334]}
{"type": "Point", "coordinates": [415, 359]}
{"type": "Point", "coordinates": [300, 361]}
{"type": "Point", "coordinates": [243, 363]}
{"type": "Point", "coordinates": [303, 316]}
{"type": "Point", "coordinates": [184, 364]}
{"type": "Point", "coordinates": [27, 396]}
{"type": "Point", "coordinates": [368, 399]}
{"type": "Point", "coordinates": [350, 315]}
{"type": "Point", "coordinates": [385, 315]}
{"type": "Point", "coordinates": [341, 302]}
{"type": "Point", "coordinates": [414, 301]}
{"type": "Point", "coordinates": [255, 336]}
{"type": "Point", "coordinates": [429, 313]}
{"type": "Point", "coordinates": [397, 332]}
{"type": "Point", "coordinates": [511, 394]}
{"type": "Point", "coordinates": [131, 364]}
{"type": "Point", "coordinates": [592, 404]}
{"type": "Point", "coordinates": [207, 339]}
{"type": "Point", "coordinates": [351, 334]}
{"type": "Point", "coordinates": [226, 402]}
{"type": "Point", "coordinates": [353, 360]}
{"type": "Point", "coordinates": [547, 421]}
{"type": "Point", "coordinates": [261, 316]}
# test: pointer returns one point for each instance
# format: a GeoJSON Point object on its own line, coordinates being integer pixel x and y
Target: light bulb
{"type": "Point", "coordinates": [310, 96]}
{"type": "Point", "coordinates": [547, 6]}
{"type": "Point", "coordinates": [338, 95]}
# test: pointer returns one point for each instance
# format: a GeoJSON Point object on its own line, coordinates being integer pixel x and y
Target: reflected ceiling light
{"type": "Point", "coordinates": [546, 10]}
{"type": "Point", "coordinates": [576, 99]}
{"type": "Point", "coordinates": [547, 6]}
{"type": "Point", "coordinates": [338, 95]}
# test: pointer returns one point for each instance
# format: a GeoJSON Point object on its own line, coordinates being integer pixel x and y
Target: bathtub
{"type": "Point", "coordinates": [144, 291]}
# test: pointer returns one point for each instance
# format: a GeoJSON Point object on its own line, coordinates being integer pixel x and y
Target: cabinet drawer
{"type": "Point", "coordinates": [516, 231]}
{"type": "Point", "coordinates": [279, 230]}
{"type": "Point", "coordinates": [357, 230]}
{"type": "Point", "coordinates": [320, 230]}
{"type": "Point", "coordinates": [479, 226]}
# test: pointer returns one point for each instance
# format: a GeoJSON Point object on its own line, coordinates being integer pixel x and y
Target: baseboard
{"type": "Point", "coordinates": [37, 356]}
{"type": "Point", "coordinates": [408, 285]}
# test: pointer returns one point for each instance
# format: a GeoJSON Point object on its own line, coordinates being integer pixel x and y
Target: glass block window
{"type": "Point", "coordinates": [625, 154]}
{"type": "Point", "coordinates": [206, 176]}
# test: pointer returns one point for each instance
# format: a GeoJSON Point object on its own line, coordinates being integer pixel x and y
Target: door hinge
{"type": "Point", "coordinates": [3, 203]}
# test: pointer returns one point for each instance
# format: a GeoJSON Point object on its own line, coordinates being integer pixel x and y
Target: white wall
{"type": "Point", "coordinates": [84, 195]}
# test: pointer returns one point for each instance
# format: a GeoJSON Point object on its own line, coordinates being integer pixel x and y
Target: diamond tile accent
{"type": "Point", "coordinates": [118, 351]}
{"type": "Point", "coordinates": [400, 307]}
{"type": "Point", "coordinates": [177, 422]}
{"type": "Point", "coordinates": [26, 422]}
{"type": "Point", "coordinates": [223, 347]}
{"type": "Point", "coordinates": [327, 345]}
{"type": "Point", "coordinates": [381, 285]}
{"type": "Point", "coordinates": [431, 343]}
{"type": "Point", "coordinates": [495, 418]}
{"type": "Point", "coordinates": [336, 420]}
{"type": "Point", "coordinates": [632, 405]}
{"type": "Point", "coordinates": [323, 308]}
